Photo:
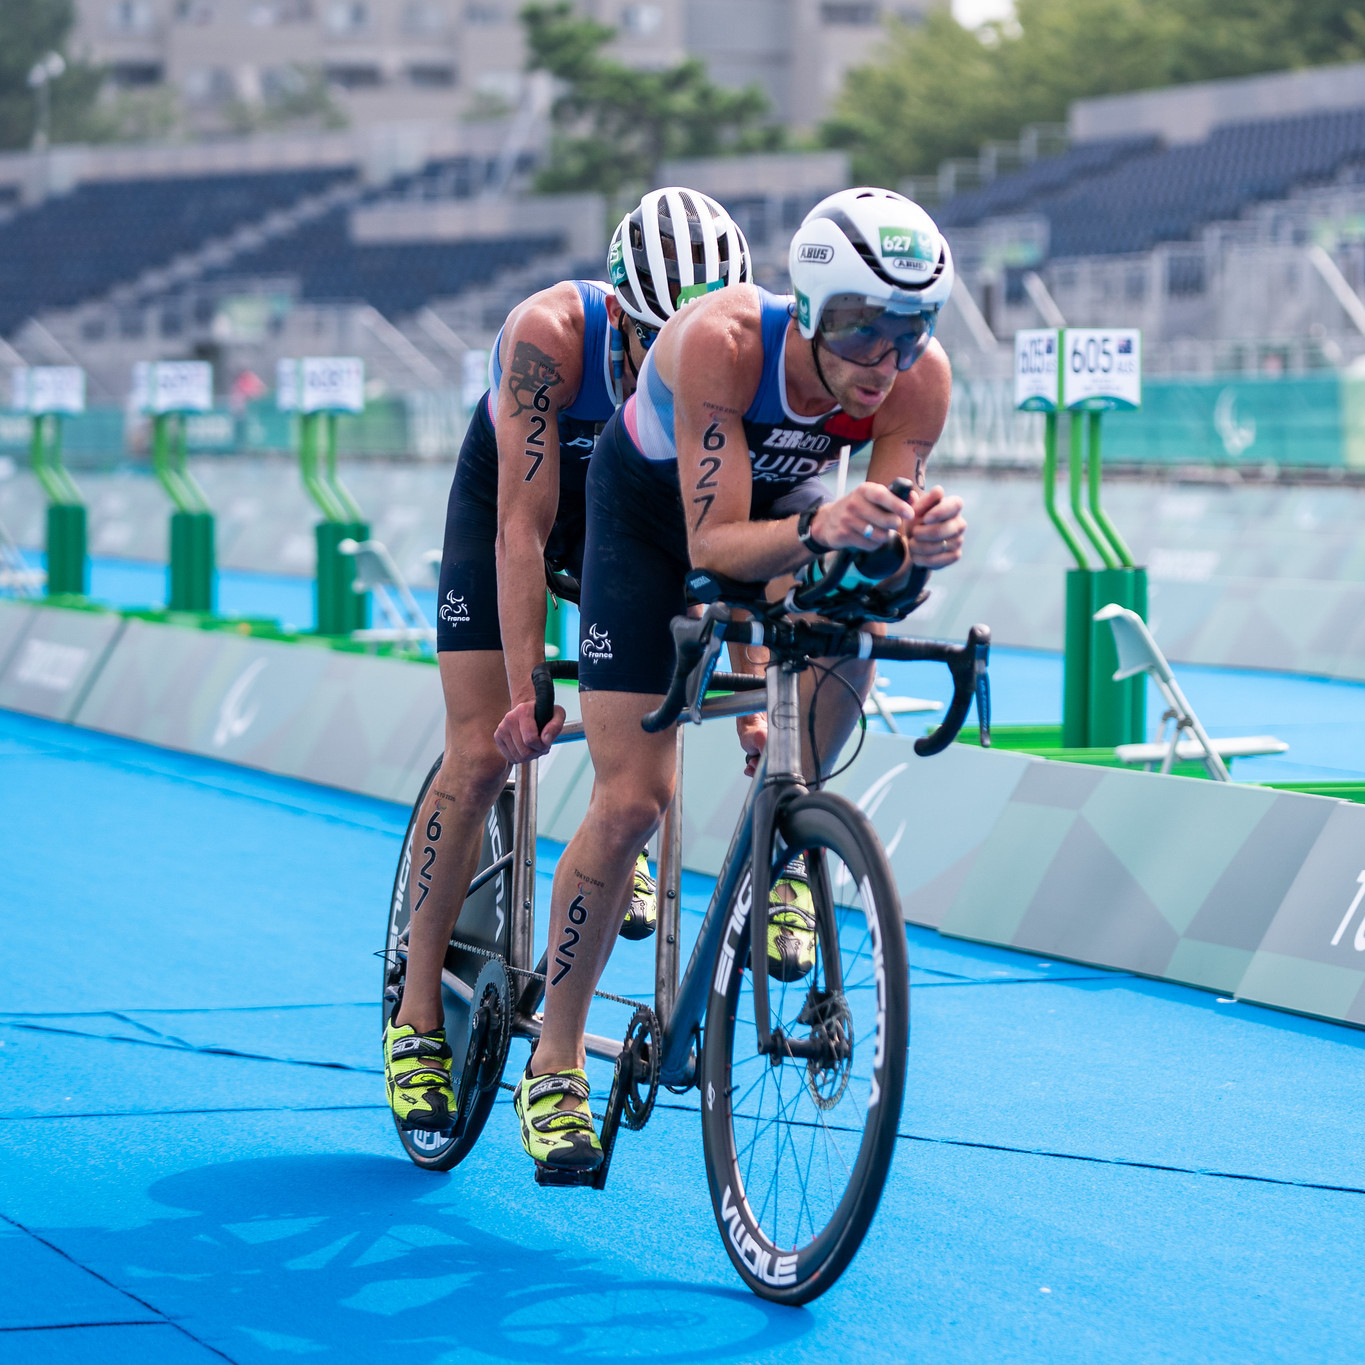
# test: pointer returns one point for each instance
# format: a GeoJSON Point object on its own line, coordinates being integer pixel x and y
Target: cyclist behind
{"type": "Point", "coordinates": [741, 403]}
{"type": "Point", "coordinates": [563, 361]}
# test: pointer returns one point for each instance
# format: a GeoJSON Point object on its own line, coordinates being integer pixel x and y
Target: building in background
{"type": "Point", "coordinates": [417, 60]}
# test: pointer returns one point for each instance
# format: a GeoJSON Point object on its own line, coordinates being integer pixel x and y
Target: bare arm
{"type": "Point", "coordinates": [904, 435]}
{"type": "Point", "coordinates": [542, 368]}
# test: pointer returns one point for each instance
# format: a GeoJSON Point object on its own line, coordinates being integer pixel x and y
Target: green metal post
{"type": "Point", "coordinates": [1076, 659]}
{"type": "Point", "coordinates": [1075, 468]}
{"type": "Point", "coordinates": [1094, 469]}
{"type": "Point", "coordinates": [67, 563]}
{"type": "Point", "coordinates": [192, 582]}
{"type": "Point", "coordinates": [339, 608]}
{"type": "Point", "coordinates": [1050, 491]}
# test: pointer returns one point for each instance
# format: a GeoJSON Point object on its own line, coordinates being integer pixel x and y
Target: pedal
{"type": "Point", "coordinates": [554, 1177]}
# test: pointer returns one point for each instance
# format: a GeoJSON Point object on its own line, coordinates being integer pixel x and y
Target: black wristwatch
{"type": "Point", "coordinates": [804, 534]}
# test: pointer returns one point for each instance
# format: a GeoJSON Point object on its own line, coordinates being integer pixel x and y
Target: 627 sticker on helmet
{"type": "Point", "coordinates": [908, 248]}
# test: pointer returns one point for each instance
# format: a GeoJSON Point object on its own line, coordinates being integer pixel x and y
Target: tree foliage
{"type": "Point", "coordinates": [615, 124]}
{"type": "Point", "coordinates": [942, 91]}
{"type": "Point", "coordinates": [29, 30]}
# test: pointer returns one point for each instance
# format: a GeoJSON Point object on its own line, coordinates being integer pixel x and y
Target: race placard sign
{"type": "Point", "coordinates": [1101, 368]}
{"type": "Point", "coordinates": [332, 384]}
{"type": "Point", "coordinates": [47, 389]}
{"type": "Point", "coordinates": [1035, 369]}
{"type": "Point", "coordinates": [173, 386]}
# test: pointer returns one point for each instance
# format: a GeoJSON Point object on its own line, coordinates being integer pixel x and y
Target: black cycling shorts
{"type": "Point", "coordinates": [467, 595]}
{"type": "Point", "coordinates": [636, 560]}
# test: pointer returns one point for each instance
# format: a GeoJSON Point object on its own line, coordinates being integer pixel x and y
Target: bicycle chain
{"type": "Point", "coordinates": [541, 976]}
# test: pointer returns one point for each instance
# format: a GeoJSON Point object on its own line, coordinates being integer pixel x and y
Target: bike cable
{"type": "Point", "coordinates": [826, 674]}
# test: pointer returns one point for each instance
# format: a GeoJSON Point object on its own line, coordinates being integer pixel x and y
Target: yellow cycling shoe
{"type": "Point", "coordinates": [791, 924]}
{"type": "Point", "coordinates": [642, 914]}
{"type": "Point", "coordinates": [417, 1074]}
{"type": "Point", "coordinates": [562, 1139]}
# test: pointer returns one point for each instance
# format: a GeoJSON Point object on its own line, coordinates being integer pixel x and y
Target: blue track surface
{"type": "Point", "coordinates": [196, 1164]}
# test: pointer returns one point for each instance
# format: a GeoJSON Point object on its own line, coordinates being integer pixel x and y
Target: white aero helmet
{"type": "Point", "coordinates": [652, 278]}
{"type": "Point", "coordinates": [866, 252]}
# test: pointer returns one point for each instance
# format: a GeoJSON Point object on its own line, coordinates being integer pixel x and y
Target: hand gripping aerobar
{"type": "Point", "coordinates": [698, 644]}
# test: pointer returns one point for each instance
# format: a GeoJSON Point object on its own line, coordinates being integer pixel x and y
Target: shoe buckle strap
{"type": "Point", "coordinates": [557, 1083]}
{"type": "Point", "coordinates": [562, 1121]}
{"type": "Point", "coordinates": [419, 1045]}
{"type": "Point", "coordinates": [422, 1079]}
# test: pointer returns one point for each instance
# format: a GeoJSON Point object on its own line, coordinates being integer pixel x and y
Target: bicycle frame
{"type": "Point", "coordinates": [679, 1006]}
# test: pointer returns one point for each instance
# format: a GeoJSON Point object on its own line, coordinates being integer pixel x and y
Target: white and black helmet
{"type": "Point", "coordinates": [652, 278]}
{"type": "Point", "coordinates": [871, 243]}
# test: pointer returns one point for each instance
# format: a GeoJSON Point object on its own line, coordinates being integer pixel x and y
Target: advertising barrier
{"type": "Point", "coordinates": [51, 667]}
{"type": "Point", "coordinates": [344, 720]}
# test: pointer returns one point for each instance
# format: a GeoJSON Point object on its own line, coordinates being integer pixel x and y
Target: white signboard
{"type": "Point", "coordinates": [49, 388]}
{"type": "Point", "coordinates": [332, 384]}
{"type": "Point", "coordinates": [287, 384]}
{"type": "Point", "coordinates": [172, 386]}
{"type": "Point", "coordinates": [1101, 367]}
{"type": "Point", "coordinates": [1035, 369]}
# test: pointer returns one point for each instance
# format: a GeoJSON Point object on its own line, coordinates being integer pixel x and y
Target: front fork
{"type": "Point", "coordinates": [782, 780]}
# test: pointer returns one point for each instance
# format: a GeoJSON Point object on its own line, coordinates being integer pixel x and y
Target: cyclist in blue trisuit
{"type": "Point", "coordinates": [563, 361]}
{"type": "Point", "coordinates": [743, 400]}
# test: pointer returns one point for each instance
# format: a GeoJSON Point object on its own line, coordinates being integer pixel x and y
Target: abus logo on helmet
{"type": "Point", "coordinates": [811, 254]}
{"type": "Point", "coordinates": [908, 249]}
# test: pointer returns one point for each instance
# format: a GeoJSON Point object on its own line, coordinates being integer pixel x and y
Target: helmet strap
{"type": "Point", "coordinates": [815, 356]}
{"type": "Point", "coordinates": [617, 343]}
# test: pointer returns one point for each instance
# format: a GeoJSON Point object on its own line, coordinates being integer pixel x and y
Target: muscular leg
{"type": "Point", "coordinates": [472, 774]}
{"type": "Point", "coordinates": [635, 773]}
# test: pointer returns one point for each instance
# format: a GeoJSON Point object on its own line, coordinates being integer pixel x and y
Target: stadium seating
{"type": "Point", "coordinates": [78, 246]}
{"type": "Point", "coordinates": [1113, 197]}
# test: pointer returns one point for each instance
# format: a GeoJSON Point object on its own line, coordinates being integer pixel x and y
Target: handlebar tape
{"type": "Point", "coordinates": [544, 685]}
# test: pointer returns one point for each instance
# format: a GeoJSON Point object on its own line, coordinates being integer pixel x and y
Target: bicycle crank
{"type": "Point", "coordinates": [490, 1032]}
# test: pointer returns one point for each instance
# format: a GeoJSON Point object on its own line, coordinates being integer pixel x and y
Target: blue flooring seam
{"type": "Point", "coordinates": [67, 1326]}
{"type": "Point", "coordinates": [175, 1113]}
{"type": "Point", "coordinates": [183, 1009]}
{"type": "Point", "coordinates": [1137, 1165]}
{"type": "Point", "coordinates": [118, 1289]}
{"type": "Point", "coordinates": [179, 1045]}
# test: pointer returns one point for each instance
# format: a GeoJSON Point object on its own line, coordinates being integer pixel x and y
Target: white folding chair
{"type": "Point", "coordinates": [15, 575]}
{"type": "Point", "coordinates": [375, 572]}
{"type": "Point", "coordinates": [1138, 653]}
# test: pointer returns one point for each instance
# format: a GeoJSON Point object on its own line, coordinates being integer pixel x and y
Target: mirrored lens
{"type": "Point", "coordinates": [645, 335]}
{"type": "Point", "coordinates": [865, 334]}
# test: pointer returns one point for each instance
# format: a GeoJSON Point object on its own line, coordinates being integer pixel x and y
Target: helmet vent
{"type": "Point", "coordinates": [845, 224]}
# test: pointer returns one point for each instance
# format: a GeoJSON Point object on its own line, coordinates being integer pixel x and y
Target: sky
{"type": "Point", "coordinates": [973, 13]}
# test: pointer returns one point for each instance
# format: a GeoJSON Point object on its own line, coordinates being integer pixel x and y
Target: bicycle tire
{"type": "Point", "coordinates": [483, 919]}
{"type": "Point", "coordinates": [735, 1078]}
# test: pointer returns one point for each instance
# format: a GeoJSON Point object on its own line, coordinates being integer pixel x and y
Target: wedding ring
{"type": "Point", "coordinates": [867, 531]}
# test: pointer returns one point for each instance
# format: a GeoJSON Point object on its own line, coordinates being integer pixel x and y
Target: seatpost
{"type": "Point", "coordinates": [670, 897]}
{"type": "Point", "coordinates": [524, 866]}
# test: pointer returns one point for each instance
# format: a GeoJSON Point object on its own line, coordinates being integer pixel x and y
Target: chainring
{"type": "Point", "coordinates": [643, 1044]}
{"type": "Point", "coordinates": [493, 998]}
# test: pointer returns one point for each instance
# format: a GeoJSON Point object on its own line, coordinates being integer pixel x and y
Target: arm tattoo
{"type": "Point", "coordinates": [710, 465]}
{"type": "Point", "coordinates": [530, 377]}
{"type": "Point", "coordinates": [922, 450]}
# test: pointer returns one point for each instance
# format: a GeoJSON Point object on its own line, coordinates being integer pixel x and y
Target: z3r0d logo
{"type": "Point", "coordinates": [597, 647]}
